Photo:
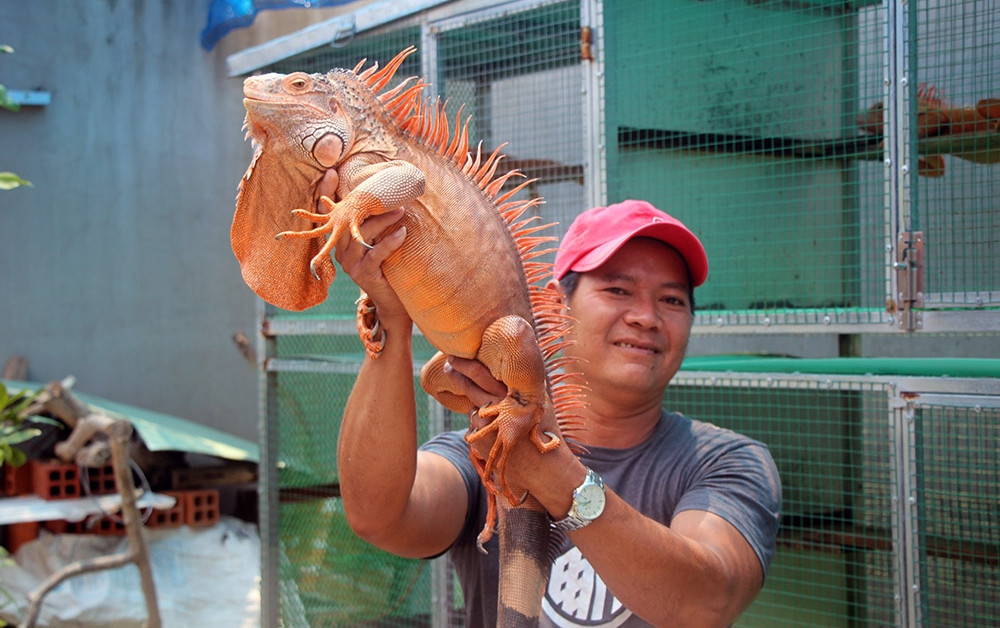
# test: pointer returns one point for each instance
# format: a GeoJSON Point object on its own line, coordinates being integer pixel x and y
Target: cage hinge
{"type": "Point", "coordinates": [586, 43]}
{"type": "Point", "coordinates": [909, 267]}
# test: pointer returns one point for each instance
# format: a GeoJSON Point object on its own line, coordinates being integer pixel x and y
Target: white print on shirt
{"type": "Point", "coordinates": [577, 596]}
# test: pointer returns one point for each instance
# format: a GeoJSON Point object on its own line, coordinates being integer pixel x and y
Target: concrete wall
{"type": "Point", "coordinates": [116, 267]}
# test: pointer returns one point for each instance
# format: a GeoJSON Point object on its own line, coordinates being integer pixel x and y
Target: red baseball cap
{"type": "Point", "coordinates": [598, 233]}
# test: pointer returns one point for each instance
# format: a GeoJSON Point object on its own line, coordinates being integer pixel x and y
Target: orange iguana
{"type": "Point", "coordinates": [936, 118]}
{"type": "Point", "coordinates": [390, 150]}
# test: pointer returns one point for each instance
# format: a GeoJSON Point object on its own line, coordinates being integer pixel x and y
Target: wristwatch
{"type": "Point", "coordinates": [588, 504]}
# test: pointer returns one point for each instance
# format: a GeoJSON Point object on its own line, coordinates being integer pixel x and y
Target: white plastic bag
{"type": "Point", "coordinates": [204, 577]}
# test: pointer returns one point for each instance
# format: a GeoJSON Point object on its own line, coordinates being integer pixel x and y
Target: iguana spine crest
{"type": "Point", "coordinates": [427, 123]}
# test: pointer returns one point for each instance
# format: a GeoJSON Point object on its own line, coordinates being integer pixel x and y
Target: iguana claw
{"type": "Point", "coordinates": [369, 328]}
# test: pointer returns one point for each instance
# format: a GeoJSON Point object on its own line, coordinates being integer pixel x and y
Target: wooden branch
{"type": "Point", "coordinates": [94, 455]}
{"type": "Point", "coordinates": [86, 428]}
{"type": "Point", "coordinates": [119, 433]}
{"type": "Point", "coordinates": [57, 400]}
{"type": "Point", "coordinates": [16, 368]}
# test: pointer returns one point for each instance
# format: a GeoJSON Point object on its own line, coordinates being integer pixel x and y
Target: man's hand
{"type": "Point", "coordinates": [474, 380]}
{"type": "Point", "coordinates": [364, 263]}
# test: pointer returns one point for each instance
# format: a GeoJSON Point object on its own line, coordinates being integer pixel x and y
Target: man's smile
{"type": "Point", "coordinates": [635, 345]}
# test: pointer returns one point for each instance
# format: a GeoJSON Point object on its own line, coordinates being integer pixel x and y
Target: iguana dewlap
{"type": "Point", "coordinates": [463, 272]}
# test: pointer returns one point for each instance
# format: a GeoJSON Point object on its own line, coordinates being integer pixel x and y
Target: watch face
{"type": "Point", "coordinates": [590, 501]}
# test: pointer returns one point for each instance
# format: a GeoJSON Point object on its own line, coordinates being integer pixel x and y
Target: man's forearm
{"type": "Point", "coordinates": [376, 453]}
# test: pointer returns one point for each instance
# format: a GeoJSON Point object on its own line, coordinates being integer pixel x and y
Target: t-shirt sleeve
{"type": "Point", "coordinates": [478, 573]}
{"type": "Point", "coordinates": [740, 483]}
{"type": "Point", "coordinates": [452, 446]}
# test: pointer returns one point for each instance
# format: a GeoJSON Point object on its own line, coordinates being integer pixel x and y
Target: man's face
{"type": "Point", "coordinates": [633, 320]}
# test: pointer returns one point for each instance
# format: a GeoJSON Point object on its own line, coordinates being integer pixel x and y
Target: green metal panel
{"type": "Point", "coordinates": [736, 117]}
{"type": "Point", "coordinates": [924, 367]}
{"type": "Point", "coordinates": [333, 578]}
{"type": "Point", "coordinates": [821, 600]}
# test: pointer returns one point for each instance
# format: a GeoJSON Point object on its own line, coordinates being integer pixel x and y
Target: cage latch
{"type": "Point", "coordinates": [909, 267]}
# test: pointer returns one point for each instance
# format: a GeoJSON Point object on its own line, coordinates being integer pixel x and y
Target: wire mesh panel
{"type": "Point", "coordinates": [325, 575]}
{"type": "Point", "coordinates": [957, 108]}
{"type": "Point", "coordinates": [835, 563]}
{"type": "Point", "coordinates": [515, 74]}
{"type": "Point", "coordinates": [518, 75]}
{"type": "Point", "coordinates": [782, 133]}
{"type": "Point", "coordinates": [794, 142]}
{"type": "Point", "coordinates": [958, 506]}
{"type": "Point", "coordinates": [740, 118]}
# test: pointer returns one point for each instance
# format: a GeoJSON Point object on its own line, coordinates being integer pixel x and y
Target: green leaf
{"type": "Point", "coordinates": [13, 406]}
{"type": "Point", "coordinates": [22, 400]}
{"type": "Point", "coordinates": [9, 181]}
{"type": "Point", "coordinates": [15, 457]}
{"type": "Point", "coordinates": [6, 454]}
{"type": "Point", "coordinates": [6, 101]}
{"type": "Point", "coordinates": [47, 421]}
{"type": "Point", "coordinates": [21, 436]}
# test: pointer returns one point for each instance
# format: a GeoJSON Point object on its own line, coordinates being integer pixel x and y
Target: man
{"type": "Point", "coordinates": [684, 526]}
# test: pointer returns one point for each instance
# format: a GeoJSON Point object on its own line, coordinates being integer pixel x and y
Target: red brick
{"type": "Point", "coordinates": [20, 533]}
{"type": "Point", "coordinates": [201, 507]}
{"type": "Point", "coordinates": [55, 480]}
{"type": "Point", "coordinates": [61, 526]}
{"type": "Point", "coordinates": [17, 480]}
{"type": "Point", "coordinates": [101, 480]}
{"type": "Point", "coordinates": [109, 526]}
{"type": "Point", "coordinates": [170, 518]}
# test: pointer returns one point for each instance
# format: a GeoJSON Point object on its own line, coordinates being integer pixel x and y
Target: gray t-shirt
{"type": "Point", "coordinates": [684, 465]}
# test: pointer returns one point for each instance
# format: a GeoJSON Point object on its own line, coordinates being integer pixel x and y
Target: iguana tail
{"type": "Point", "coordinates": [524, 563]}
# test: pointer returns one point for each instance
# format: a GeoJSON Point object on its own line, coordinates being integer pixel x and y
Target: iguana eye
{"type": "Point", "coordinates": [297, 82]}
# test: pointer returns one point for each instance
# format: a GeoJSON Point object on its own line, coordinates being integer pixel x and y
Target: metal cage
{"type": "Point", "coordinates": [837, 159]}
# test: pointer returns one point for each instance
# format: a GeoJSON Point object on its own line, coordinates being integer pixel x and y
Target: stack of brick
{"type": "Point", "coordinates": [53, 480]}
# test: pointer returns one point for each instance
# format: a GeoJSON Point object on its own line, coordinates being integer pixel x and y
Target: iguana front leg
{"type": "Point", "coordinates": [510, 351]}
{"type": "Point", "coordinates": [373, 189]}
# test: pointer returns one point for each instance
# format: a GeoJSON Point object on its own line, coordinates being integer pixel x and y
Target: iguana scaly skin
{"type": "Point", "coordinates": [464, 272]}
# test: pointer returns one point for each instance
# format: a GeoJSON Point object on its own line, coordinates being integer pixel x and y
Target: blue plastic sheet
{"type": "Point", "coordinates": [225, 15]}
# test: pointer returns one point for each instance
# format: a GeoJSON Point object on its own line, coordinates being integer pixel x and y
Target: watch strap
{"type": "Point", "coordinates": [570, 522]}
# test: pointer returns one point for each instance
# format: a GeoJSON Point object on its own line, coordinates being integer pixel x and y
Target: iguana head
{"type": "Point", "coordinates": [300, 117]}
{"type": "Point", "coordinates": [303, 127]}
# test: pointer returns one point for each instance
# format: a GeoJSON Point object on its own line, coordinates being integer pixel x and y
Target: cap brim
{"type": "Point", "coordinates": [672, 235]}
